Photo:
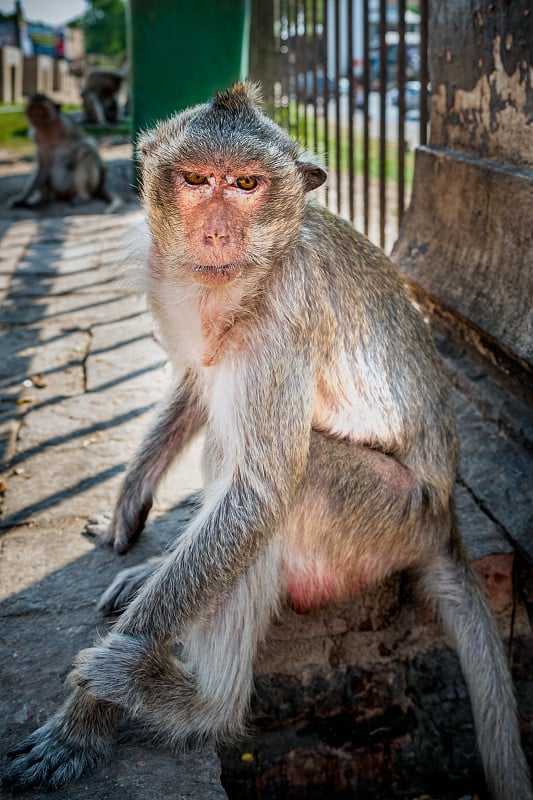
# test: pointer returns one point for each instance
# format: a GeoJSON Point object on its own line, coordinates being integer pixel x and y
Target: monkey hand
{"type": "Point", "coordinates": [125, 586]}
{"type": "Point", "coordinates": [100, 529]}
{"type": "Point", "coordinates": [116, 670]}
{"type": "Point", "coordinates": [59, 751]}
{"type": "Point", "coordinates": [121, 531]}
{"type": "Point", "coordinates": [28, 199]}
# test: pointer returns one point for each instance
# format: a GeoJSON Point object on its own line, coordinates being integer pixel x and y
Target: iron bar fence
{"type": "Point", "coordinates": [349, 80]}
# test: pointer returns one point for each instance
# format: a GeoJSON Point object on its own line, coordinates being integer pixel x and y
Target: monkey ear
{"type": "Point", "coordinates": [146, 143]}
{"type": "Point", "coordinates": [313, 176]}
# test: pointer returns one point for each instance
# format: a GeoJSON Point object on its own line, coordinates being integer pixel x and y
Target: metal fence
{"type": "Point", "coordinates": [349, 80]}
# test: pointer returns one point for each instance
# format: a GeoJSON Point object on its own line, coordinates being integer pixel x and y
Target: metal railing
{"type": "Point", "coordinates": [349, 80]}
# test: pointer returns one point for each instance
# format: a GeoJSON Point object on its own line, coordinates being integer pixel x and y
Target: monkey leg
{"type": "Point", "coordinates": [93, 109]}
{"type": "Point", "coordinates": [359, 516]}
{"type": "Point", "coordinates": [76, 738]}
{"type": "Point", "coordinates": [207, 692]}
{"type": "Point", "coordinates": [87, 174]}
{"type": "Point", "coordinates": [378, 520]}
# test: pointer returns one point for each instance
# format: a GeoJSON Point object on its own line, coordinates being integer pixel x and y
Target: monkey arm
{"type": "Point", "coordinates": [94, 109]}
{"type": "Point", "coordinates": [266, 427]}
{"type": "Point", "coordinates": [178, 422]}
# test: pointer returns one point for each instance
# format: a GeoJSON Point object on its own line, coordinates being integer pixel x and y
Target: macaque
{"type": "Point", "coordinates": [330, 451]}
{"type": "Point", "coordinates": [69, 166]}
{"type": "Point", "coordinates": [100, 97]}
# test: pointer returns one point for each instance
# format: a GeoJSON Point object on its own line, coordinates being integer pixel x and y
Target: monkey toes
{"type": "Point", "coordinates": [50, 758]}
{"type": "Point", "coordinates": [99, 528]}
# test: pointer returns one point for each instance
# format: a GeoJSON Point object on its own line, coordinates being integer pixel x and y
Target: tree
{"type": "Point", "coordinates": [104, 27]}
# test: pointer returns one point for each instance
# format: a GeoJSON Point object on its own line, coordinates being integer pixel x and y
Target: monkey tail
{"type": "Point", "coordinates": [450, 583]}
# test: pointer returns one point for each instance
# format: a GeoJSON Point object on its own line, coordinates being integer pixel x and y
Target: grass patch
{"type": "Point", "coordinates": [14, 129]}
{"type": "Point", "coordinates": [122, 128]}
{"type": "Point", "coordinates": [286, 117]}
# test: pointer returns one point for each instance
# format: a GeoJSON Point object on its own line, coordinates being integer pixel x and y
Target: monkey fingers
{"type": "Point", "coordinates": [116, 670]}
{"type": "Point", "coordinates": [99, 528]}
{"type": "Point", "coordinates": [125, 586]}
{"type": "Point", "coordinates": [77, 738]}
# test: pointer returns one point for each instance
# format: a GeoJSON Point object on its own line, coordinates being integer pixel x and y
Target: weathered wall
{"type": "Point", "coordinates": [482, 79]}
{"type": "Point", "coordinates": [467, 239]}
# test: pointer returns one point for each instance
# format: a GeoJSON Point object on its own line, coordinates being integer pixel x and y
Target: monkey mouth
{"type": "Point", "coordinates": [215, 267]}
{"type": "Point", "coordinates": [216, 273]}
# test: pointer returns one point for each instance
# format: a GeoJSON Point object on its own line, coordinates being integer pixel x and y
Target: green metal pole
{"type": "Point", "coordinates": [182, 52]}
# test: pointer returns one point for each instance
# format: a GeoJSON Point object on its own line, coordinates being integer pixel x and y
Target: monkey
{"type": "Point", "coordinates": [99, 96]}
{"type": "Point", "coordinates": [69, 166]}
{"type": "Point", "coordinates": [330, 456]}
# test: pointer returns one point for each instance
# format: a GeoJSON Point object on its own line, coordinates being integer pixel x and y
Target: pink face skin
{"type": "Point", "coordinates": [217, 210]}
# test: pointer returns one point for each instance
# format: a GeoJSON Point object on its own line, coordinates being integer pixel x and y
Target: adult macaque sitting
{"type": "Point", "coordinates": [100, 97]}
{"type": "Point", "coordinates": [330, 453]}
{"type": "Point", "coordinates": [69, 166]}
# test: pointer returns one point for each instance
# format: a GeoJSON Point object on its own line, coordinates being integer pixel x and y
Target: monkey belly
{"type": "Point", "coordinates": [314, 581]}
{"type": "Point", "coordinates": [62, 183]}
{"type": "Point", "coordinates": [354, 522]}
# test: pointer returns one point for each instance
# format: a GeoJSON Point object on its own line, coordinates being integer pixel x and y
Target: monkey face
{"type": "Point", "coordinates": [41, 112]}
{"type": "Point", "coordinates": [217, 210]}
{"type": "Point", "coordinates": [224, 188]}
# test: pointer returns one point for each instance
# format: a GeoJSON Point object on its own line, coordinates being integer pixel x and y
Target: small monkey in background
{"type": "Point", "coordinates": [330, 451]}
{"type": "Point", "coordinates": [100, 97]}
{"type": "Point", "coordinates": [69, 166]}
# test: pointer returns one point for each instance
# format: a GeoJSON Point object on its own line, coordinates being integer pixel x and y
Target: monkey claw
{"type": "Point", "coordinates": [50, 758]}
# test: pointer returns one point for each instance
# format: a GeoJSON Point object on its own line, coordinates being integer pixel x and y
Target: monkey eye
{"type": "Point", "coordinates": [193, 179]}
{"type": "Point", "coordinates": [246, 182]}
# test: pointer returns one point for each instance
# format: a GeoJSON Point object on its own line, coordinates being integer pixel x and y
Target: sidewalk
{"type": "Point", "coordinates": [79, 378]}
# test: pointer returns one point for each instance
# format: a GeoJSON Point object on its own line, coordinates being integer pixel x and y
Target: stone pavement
{"type": "Point", "coordinates": [79, 376]}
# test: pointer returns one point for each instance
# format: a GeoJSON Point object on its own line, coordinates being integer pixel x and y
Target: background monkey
{"type": "Point", "coordinates": [330, 457]}
{"type": "Point", "coordinates": [69, 166]}
{"type": "Point", "coordinates": [100, 97]}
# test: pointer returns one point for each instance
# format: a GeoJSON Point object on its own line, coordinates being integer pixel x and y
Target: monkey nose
{"type": "Point", "coordinates": [215, 238]}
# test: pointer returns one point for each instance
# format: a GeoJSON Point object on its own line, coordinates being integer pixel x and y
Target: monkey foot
{"type": "Point", "coordinates": [125, 585]}
{"type": "Point", "coordinates": [112, 670]}
{"type": "Point", "coordinates": [99, 529]}
{"type": "Point", "coordinates": [50, 758]}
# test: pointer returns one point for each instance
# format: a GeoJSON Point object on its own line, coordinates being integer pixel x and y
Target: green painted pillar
{"type": "Point", "coordinates": [181, 51]}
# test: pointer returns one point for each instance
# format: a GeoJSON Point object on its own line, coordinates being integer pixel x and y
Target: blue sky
{"type": "Point", "coordinates": [54, 13]}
